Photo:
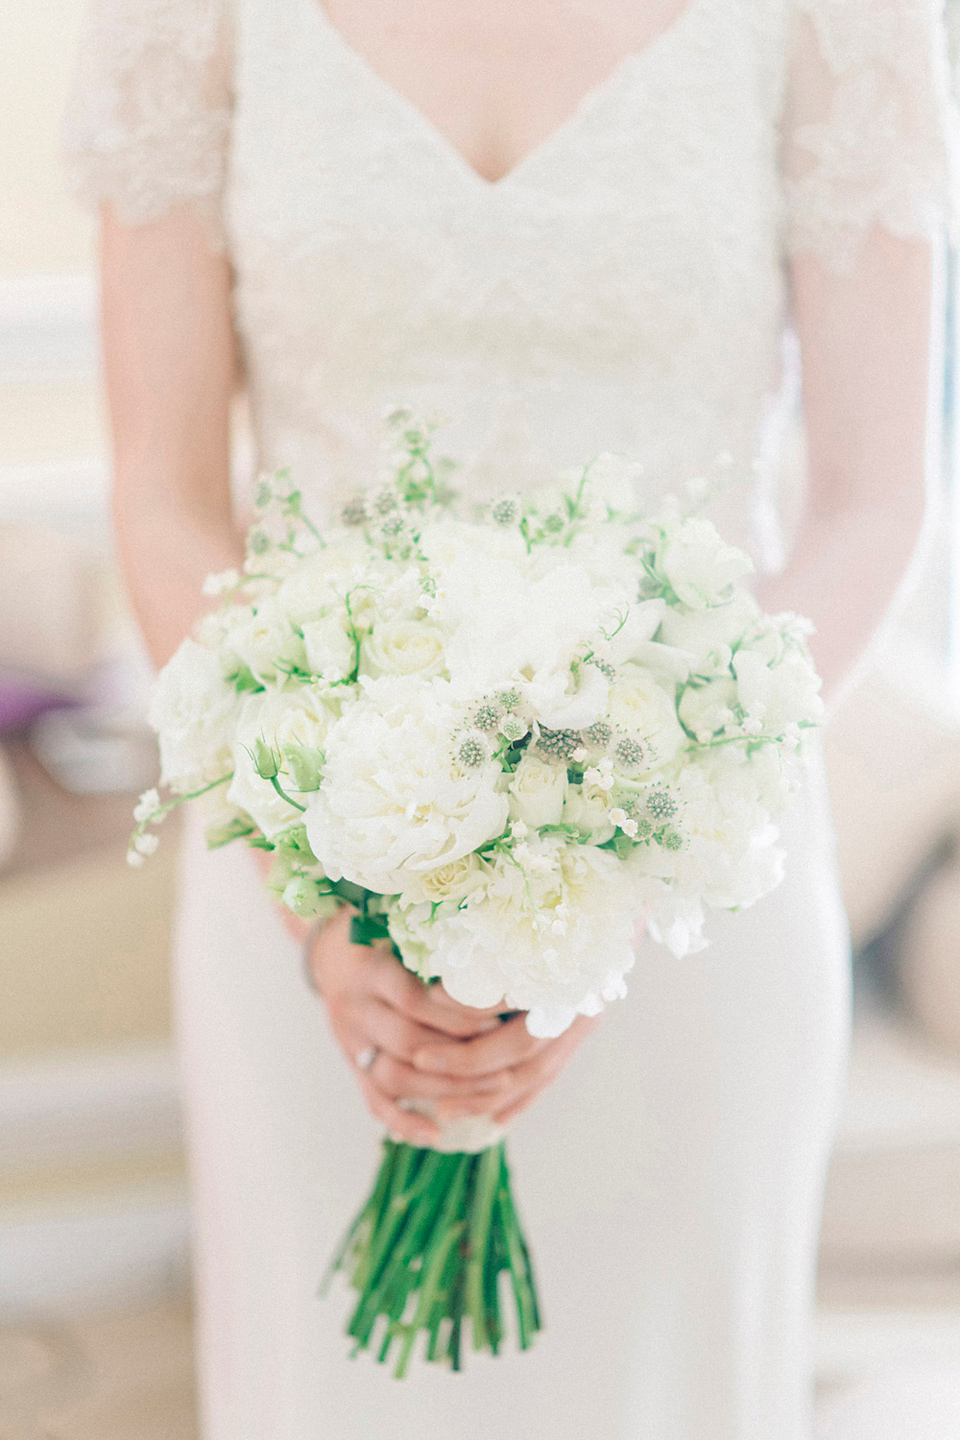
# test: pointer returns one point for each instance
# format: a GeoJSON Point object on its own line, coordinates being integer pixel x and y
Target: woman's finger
{"type": "Point", "coordinates": [508, 1045]}
{"type": "Point", "coordinates": [401, 1124]}
{"type": "Point", "coordinates": [430, 1004]}
{"type": "Point", "coordinates": [391, 1031]}
{"type": "Point", "coordinates": [401, 1081]}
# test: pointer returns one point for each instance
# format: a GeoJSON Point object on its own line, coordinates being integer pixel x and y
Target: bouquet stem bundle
{"type": "Point", "coordinates": [426, 1253]}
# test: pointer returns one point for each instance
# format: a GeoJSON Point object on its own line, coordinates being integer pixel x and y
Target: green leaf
{"type": "Point", "coordinates": [367, 929]}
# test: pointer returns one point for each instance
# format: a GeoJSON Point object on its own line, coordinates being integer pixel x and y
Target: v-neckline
{"type": "Point", "coordinates": [590, 98]}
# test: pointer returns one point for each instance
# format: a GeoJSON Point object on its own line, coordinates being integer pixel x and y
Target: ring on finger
{"type": "Point", "coordinates": [366, 1059]}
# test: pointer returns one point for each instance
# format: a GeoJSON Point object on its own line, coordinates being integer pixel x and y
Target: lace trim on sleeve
{"type": "Point", "coordinates": [148, 120]}
{"type": "Point", "coordinates": [870, 125]}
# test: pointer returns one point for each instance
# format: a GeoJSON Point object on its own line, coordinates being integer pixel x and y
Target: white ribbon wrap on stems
{"type": "Point", "coordinates": [467, 1135]}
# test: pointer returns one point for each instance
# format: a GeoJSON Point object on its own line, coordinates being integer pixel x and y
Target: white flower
{"type": "Point", "coordinates": [554, 939]}
{"type": "Point", "coordinates": [537, 791]}
{"type": "Point", "coordinates": [697, 564]}
{"type": "Point", "coordinates": [587, 808]}
{"type": "Point", "coordinates": [192, 710]}
{"type": "Point", "coordinates": [778, 694]}
{"type": "Point", "coordinates": [329, 647]}
{"type": "Point", "coordinates": [147, 806]}
{"type": "Point", "coordinates": [402, 647]}
{"type": "Point", "coordinates": [448, 882]}
{"type": "Point", "coordinates": [640, 704]}
{"type": "Point", "coordinates": [146, 844]}
{"type": "Point", "coordinates": [395, 802]}
{"type": "Point", "coordinates": [265, 641]}
{"type": "Point", "coordinates": [221, 583]}
{"type": "Point", "coordinates": [280, 719]}
{"type": "Point", "coordinates": [707, 709]}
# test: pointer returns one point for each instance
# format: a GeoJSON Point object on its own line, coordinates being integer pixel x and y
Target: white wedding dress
{"type": "Point", "coordinates": [623, 288]}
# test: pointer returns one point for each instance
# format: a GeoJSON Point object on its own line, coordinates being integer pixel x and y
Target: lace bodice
{"type": "Point", "coordinates": [622, 288]}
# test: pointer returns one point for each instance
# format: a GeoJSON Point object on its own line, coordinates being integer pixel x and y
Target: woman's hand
{"type": "Point", "coordinates": [427, 1046]}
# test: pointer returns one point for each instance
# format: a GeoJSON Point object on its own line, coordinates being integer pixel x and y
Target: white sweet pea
{"type": "Point", "coordinates": [698, 565]}
{"type": "Point", "coordinates": [402, 647]}
{"type": "Point", "coordinates": [537, 791]}
{"type": "Point", "coordinates": [192, 711]}
{"type": "Point", "coordinates": [329, 647]}
{"type": "Point", "coordinates": [707, 709]}
{"type": "Point", "coordinates": [781, 694]}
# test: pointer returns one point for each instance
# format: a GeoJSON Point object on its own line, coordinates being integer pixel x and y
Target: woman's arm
{"type": "Point", "coordinates": [865, 340]}
{"type": "Point", "coordinates": [170, 370]}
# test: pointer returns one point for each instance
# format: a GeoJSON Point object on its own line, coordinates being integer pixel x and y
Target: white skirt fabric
{"type": "Point", "coordinates": [670, 1182]}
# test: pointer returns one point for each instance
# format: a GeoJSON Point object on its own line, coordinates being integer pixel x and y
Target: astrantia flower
{"type": "Point", "coordinates": [395, 801]}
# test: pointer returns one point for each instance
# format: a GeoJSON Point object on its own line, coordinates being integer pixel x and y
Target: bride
{"type": "Point", "coordinates": [566, 226]}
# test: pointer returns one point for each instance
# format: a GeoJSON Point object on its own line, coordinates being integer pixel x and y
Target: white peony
{"type": "Point", "coordinates": [538, 789]}
{"type": "Point", "coordinates": [395, 799]}
{"type": "Point", "coordinates": [698, 565]}
{"type": "Point", "coordinates": [402, 647]}
{"type": "Point", "coordinates": [292, 716]}
{"type": "Point", "coordinates": [549, 931]}
{"type": "Point", "coordinates": [192, 710]}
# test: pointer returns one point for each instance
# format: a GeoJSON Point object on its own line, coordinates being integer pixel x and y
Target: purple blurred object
{"type": "Point", "coordinates": [21, 702]}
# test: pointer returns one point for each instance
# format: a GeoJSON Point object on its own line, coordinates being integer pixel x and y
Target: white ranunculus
{"type": "Point", "coordinates": [192, 710]}
{"type": "Point", "coordinates": [395, 800]}
{"type": "Point", "coordinates": [706, 709]}
{"type": "Point", "coordinates": [265, 640]}
{"type": "Point", "coordinates": [294, 715]}
{"type": "Point", "coordinates": [328, 647]}
{"type": "Point", "coordinates": [537, 791]}
{"type": "Point", "coordinates": [642, 705]}
{"type": "Point", "coordinates": [403, 647]}
{"type": "Point", "coordinates": [698, 565]}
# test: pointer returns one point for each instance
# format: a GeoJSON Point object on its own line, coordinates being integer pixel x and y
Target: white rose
{"type": "Point", "coordinates": [587, 808]}
{"type": "Point", "coordinates": [264, 640]}
{"type": "Point", "coordinates": [451, 881]}
{"type": "Point", "coordinates": [396, 801]}
{"type": "Point", "coordinates": [402, 647]}
{"type": "Point", "coordinates": [295, 716]}
{"type": "Point", "coordinates": [320, 580]}
{"type": "Point", "coordinates": [640, 704]}
{"type": "Point", "coordinates": [698, 565]}
{"type": "Point", "coordinates": [329, 648]}
{"type": "Point", "coordinates": [705, 709]}
{"type": "Point", "coordinates": [192, 710]}
{"type": "Point", "coordinates": [537, 791]}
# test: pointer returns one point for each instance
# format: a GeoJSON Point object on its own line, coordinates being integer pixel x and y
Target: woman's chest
{"type": "Point", "coordinates": [654, 206]}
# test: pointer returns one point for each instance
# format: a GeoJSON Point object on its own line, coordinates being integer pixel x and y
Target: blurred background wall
{"type": "Point", "coordinates": [93, 1209]}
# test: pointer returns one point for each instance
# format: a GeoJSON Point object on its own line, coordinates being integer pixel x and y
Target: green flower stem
{"type": "Point", "coordinates": [427, 1249]}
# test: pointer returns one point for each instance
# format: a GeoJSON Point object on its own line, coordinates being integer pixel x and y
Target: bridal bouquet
{"type": "Point", "coordinates": [506, 737]}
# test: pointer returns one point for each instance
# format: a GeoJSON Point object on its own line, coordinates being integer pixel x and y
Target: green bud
{"type": "Point", "coordinates": [265, 760]}
{"type": "Point", "coordinates": [304, 765]}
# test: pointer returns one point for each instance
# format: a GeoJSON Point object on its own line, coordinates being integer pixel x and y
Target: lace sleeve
{"type": "Point", "coordinates": [147, 124]}
{"type": "Point", "coordinates": [869, 124]}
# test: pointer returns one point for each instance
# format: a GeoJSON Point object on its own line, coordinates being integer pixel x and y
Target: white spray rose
{"type": "Point", "coordinates": [294, 716]}
{"type": "Point", "coordinates": [402, 647]}
{"type": "Point", "coordinates": [396, 801]}
{"type": "Point", "coordinates": [451, 881]}
{"type": "Point", "coordinates": [640, 704]}
{"type": "Point", "coordinates": [192, 710]}
{"type": "Point", "coordinates": [698, 565]}
{"type": "Point", "coordinates": [537, 791]}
